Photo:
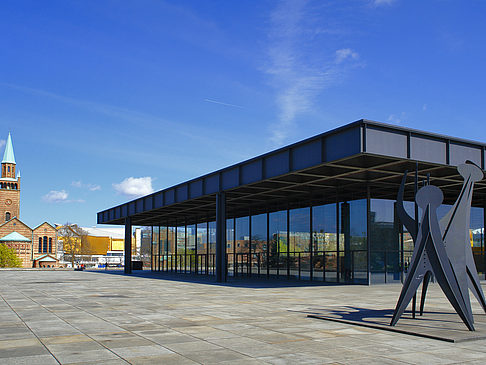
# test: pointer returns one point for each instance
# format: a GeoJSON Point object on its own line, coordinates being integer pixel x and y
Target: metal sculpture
{"type": "Point", "coordinates": [442, 248]}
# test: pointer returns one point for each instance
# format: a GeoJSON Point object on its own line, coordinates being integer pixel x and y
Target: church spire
{"type": "Point", "coordinates": [8, 155]}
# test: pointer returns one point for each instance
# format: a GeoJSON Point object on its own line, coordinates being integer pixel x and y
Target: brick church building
{"type": "Point", "coordinates": [36, 247]}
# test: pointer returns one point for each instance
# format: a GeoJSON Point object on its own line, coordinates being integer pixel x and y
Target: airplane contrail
{"type": "Point", "coordinates": [220, 102]}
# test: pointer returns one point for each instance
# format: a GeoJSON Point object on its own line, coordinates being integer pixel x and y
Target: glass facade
{"type": "Point", "coordinates": [242, 242]}
{"type": "Point", "coordinates": [191, 248]}
{"type": "Point", "coordinates": [278, 247]}
{"type": "Point", "coordinates": [258, 247]}
{"type": "Point", "coordinates": [386, 236]}
{"type": "Point", "coordinates": [299, 243]}
{"type": "Point", "coordinates": [357, 241]}
{"type": "Point", "coordinates": [230, 246]}
{"type": "Point", "coordinates": [325, 242]}
{"type": "Point", "coordinates": [202, 248]}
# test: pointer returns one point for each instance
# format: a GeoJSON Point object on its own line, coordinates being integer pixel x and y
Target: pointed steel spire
{"type": "Point", "coordinates": [8, 156]}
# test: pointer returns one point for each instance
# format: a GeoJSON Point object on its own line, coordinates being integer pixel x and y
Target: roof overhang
{"type": "Point", "coordinates": [347, 163]}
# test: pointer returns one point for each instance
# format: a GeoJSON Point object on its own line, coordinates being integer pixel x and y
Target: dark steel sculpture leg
{"type": "Point", "coordinates": [414, 304]}
{"type": "Point", "coordinates": [425, 285]}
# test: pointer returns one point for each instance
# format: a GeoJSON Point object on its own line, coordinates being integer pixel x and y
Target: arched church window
{"type": "Point", "coordinates": [40, 244]}
{"type": "Point", "coordinates": [7, 216]}
{"type": "Point", "coordinates": [50, 244]}
{"type": "Point", "coordinates": [44, 245]}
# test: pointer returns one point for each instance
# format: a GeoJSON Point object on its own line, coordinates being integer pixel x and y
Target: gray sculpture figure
{"type": "Point", "coordinates": [429, 255]}
{"type": "Point", "coordinates": [455, 234]}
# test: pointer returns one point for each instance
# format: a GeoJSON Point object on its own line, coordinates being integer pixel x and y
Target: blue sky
{"type": "Point", "coordinates": [109, 99]}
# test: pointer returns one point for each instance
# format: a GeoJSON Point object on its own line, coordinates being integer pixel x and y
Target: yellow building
{"type": "Point", "coordinates": [102, 240]}
{"type": "Point", "coordinates": [94, 241]}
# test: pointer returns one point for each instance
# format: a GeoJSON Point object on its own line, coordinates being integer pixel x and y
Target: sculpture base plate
{"type": "Point", "coordinates": [443, 326]}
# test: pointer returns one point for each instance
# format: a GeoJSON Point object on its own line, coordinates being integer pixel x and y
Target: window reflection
{"type": "Point", "coordinates": [324, 238]}
{"type": "Point", "coordinates": [259, 243]}
{"type": "Point", "coordinates": [299, 234]}
{"type": "Point", "coordinates": [278, 243]}
{"type": "Point", "coordinates": [242, 242]}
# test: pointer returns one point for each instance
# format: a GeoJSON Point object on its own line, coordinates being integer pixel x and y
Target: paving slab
{"type": "Point", "coordinates": [107, 318]}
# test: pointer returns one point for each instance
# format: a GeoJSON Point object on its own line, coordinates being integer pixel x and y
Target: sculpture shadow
{"type": "Point", "coordinates": [375, 316]}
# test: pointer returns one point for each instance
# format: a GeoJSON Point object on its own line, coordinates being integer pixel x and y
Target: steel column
{"type": "Point", "coordinates": [346, 230]}
{"type": "Point", "coordinates": [128, 246]}
{"type": "Point", "coordinates": [220, 237]}
{"type": "Point", "coordinates": [483, 240]}
{"type": "Point", "coordinates": [151, 251]}
{"type": "Point", "coordinates": [368, 234]}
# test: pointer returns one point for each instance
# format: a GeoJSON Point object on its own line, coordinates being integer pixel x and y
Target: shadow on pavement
{"type": "Point", "coordinates": [244, 282]}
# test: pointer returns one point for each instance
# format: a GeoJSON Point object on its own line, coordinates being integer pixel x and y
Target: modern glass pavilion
{"type": "Point", "coordinates": [322, 209]}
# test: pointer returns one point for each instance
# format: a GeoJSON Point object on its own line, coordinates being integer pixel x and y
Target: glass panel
{"type": "Point", "coordinates": [181, 248]}
{"type": "Point", "coordinates": [353, 261]}
{"type": "Point", "coordinates": [278, 243]}
{"type": "Point", "coordinates": [202, 248]}
{"type": "Point", "coordinates": [230, 245]}
{"type": "Point", "coordinates": [325, 242]}
{"type": "Point", "coordinates": [242, 245]}
{"type": "Point", "coordinates": [191, 247]}
{"type": "Point", "coordinates": [212, 247]}
{"type": "Point", "coordinates": [358, 224]}
{"type": "Point", "coordinates": [172, 249]}
{"type": "Point", "coordinates": [259, 244]}
{"type": "Point", "coordinates": [476, 234]}
{"type": "Point", "coordinates": [391, 245]}
{"type": "Point", "coordinates": [358, 240]}
{"type": "Point", "coordinates": [155, 248]}
{"type": "Point", "coordinates": [377, 266]}
{"type": "Point", "coordinates": [385, 241]}
{"type": "Point", "coordinates": [299, 260]}
{"type": "Point", "coordinates": [164, 245]}
{"type": "Point", "coordinates": [406, 240]}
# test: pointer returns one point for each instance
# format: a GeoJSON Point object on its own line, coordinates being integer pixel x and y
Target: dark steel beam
{"type": "Point", "coordinates": [128, 246]}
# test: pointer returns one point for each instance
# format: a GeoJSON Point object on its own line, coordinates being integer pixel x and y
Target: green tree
{"type": "Point", "coordinates": [8, 257]}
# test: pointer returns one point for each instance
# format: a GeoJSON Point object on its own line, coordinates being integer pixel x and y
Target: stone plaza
{"type": "Point", "coordinates": [104, 317]}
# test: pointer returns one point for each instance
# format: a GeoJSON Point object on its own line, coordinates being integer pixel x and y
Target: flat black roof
{"type": "Point", "coordinates": [342, 164]}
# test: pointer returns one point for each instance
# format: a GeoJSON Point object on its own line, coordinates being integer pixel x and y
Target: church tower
{"type": "Point", "coordinates": [9, 185]}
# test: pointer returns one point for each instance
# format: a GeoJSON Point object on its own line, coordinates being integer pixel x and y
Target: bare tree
{"type": "Point", "coordinates": [75, 242]}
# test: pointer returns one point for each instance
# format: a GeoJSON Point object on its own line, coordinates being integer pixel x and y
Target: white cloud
{"type": "Point", "coordinates": [135, 186]}
{"type": "Point", "coordinates": [345, 53]}
{"type": "Point", "coordinates": [297, 66]}
{"type": "Point", "coordinates": [2, 142]}
{"type": "Point", "coordinates": [90, 187]}
{"type": "Point", "coordinates": [397, 119]}
{"type": "Point", "coordinates": [55, 196]}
